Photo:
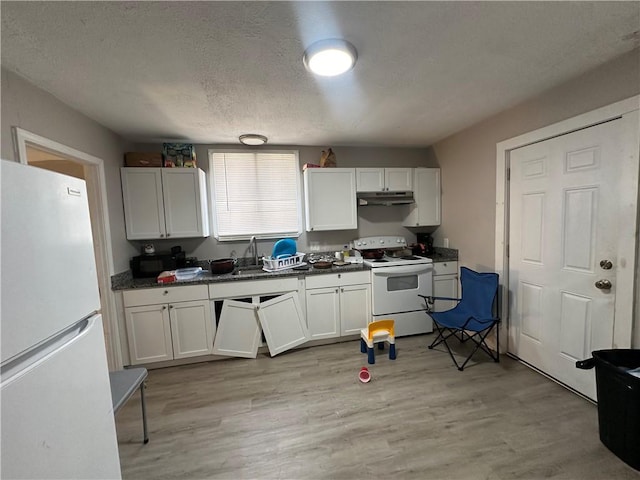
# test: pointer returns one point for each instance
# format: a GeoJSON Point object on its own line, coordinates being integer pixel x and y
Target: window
{"type": "Point", "coordinates": [255, 193]}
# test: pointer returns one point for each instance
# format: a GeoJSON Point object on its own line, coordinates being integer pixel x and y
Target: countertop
{"type": "Point", "coordinates": [125, 281]}
{"type": "Point", "coordinates": [444, 255]}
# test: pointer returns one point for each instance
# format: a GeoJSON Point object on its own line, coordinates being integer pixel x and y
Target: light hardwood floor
{"type": "Point", "coordinates": [305, 415]}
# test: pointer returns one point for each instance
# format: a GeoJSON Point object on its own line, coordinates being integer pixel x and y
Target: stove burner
{"type": "Point", "coordinates": [381, 260]}
{"type": "Point", "coordinates": [410, 257]}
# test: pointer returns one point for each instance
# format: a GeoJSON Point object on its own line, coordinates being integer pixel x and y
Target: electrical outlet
{"type": "Point", "coordinates": [445, 243]}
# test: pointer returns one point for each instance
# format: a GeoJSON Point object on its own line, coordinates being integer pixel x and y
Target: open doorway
{"type": "Point", "coordinates": [44, 153]}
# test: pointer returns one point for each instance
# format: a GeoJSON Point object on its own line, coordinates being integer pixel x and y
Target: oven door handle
{"type": "Point", "coordinates": [402, 270]}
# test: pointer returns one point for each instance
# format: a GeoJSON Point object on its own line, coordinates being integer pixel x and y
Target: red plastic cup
{"type": "Point", "coordinates": [364, 376]}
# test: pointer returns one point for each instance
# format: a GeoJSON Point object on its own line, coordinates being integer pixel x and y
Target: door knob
{"type": "Point", "coordinates": [606, 264]}
{"type": "Point", "coordinates": [603, 284]}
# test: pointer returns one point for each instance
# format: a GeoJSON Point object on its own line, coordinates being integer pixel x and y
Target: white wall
{"type": "Point", "coordinates": [34, 110]}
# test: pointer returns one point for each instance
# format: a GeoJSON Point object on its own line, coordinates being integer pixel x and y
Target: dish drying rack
{"type": "Point", "coordinates": [271, 264]}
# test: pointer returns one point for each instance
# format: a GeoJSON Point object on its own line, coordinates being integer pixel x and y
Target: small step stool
{"type": "Point", "coordinates": [378, 332]}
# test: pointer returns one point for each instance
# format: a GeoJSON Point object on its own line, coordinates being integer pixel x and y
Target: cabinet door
{"type": "Point", "coordinates": [191, 328]}
{"type": "Point", "coordinates": [355, 308]}
{"type": "Point", "coordinates": [426, 193]}
{"type": "Point", "coordinates": [185, 206]}
{"type": "Point", "coordinates": [149, 333]}
{"type": "Point", "coordinates": [238, 332]}
{"type": "Point", "coordinates": [282, 323]}
{"type": "Point", "coordinates": [330, 199]}
{"type": "Point", "coordinates": [445, 286]}
{"type": "Point", "coordinates": [370, 179]}
{"type": "Point", "coordinates": [323, 312]}
{"type": "Point", "coordinates": [398, 179]}
{"type": "Point", "coordinates": [143, 204]}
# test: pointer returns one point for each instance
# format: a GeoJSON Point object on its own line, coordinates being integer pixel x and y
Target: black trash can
{"type": "Point", "coordinates": [618, 401]}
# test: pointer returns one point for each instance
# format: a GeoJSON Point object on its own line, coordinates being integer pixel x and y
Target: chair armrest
{"type": "Point", "coordinates": [430, 299]}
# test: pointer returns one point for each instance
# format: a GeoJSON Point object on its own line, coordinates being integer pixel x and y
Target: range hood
{"type": "Point", "coordinates": [384, 198]}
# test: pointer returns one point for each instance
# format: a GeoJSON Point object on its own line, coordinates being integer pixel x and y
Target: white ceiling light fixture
{"type": "Point", "coordinates": [252, 139]}
{"type": "Point", "coordinates": [330, 57]}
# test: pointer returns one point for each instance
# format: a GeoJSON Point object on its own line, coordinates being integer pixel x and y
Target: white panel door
{"type": "Point", "coordinates": [323, 312]}
{"type": "Point", "coordinates": [282, 322]}
{"type": "Point", "coordinates": [370, 179]}
{"type": "Point", "coordinates": [355, 308]}
{"type": "Point", "coordinates": [191, 328]}
{"type": "Point", "coordinates": [182, 202]}
{"type": "Point", "coordinates": [398, 179]}
{"type": "Point", "coordinates": [330, 199]}
{"type": "Point", "coordinates": [143, 204]}
{"type": "Point", "coordinates": [426, 194]}
{"type": "Point", "coordinates": [149, 333]}
{"type": "Point", "coordinates": [563, 222]}
{"type": "Point", "coordinates": [239, 330]}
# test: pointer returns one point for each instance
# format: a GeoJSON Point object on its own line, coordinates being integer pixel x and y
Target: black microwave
{"type": "Point", "coordinates": [146, 266]}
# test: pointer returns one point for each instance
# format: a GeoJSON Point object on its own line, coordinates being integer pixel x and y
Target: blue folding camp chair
{"type": "Point", "coordinates": [472, 318]}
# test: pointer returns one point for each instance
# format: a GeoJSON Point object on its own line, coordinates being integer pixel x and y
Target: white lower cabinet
{"type": "Point", "coordinates": [167, 324]}
{"type": "Point", "coordinates": [338, 304]}
{"type": "Point", "coordinates": [445, 284]}
{"type": "Point", "coordinates": [249, 308]}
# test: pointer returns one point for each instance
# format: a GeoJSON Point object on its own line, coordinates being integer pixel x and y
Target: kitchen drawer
{"type": "Point", "coordinates": [252, 288]}
{"type": "Point", "coordinates": [338, 279]}
{"type": "Point", "coordinates": [154, 296]}
{"type": "Point", "coordinates": [445, 268]}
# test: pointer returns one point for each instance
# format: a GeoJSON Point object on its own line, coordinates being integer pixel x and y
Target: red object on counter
{"type": "Point", "coordinates": [168, 276]}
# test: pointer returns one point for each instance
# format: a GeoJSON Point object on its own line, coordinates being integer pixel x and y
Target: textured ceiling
{"type": "Point", "coordinates": [206, 72]}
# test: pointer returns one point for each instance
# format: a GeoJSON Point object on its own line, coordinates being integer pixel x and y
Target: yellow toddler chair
{"type": "Point", "coordinates": [378, 332]}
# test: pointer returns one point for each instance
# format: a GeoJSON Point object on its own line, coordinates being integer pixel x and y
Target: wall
{"type": "Point", "coordinates": [373, 220]}
{"type": "Point", "coordinates": [34, 110]}
{"type": "Point", "coordinates": [468, 158]}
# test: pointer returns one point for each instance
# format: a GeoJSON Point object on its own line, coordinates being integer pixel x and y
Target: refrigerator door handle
{"type": "Point", "coordinates": [20, 364]}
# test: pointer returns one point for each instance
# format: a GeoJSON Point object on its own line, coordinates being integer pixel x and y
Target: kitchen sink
{"type": "Point", "coordinates": [248, 270]}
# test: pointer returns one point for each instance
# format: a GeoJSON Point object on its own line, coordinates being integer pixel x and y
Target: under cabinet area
{"type": "Point", "coordinates": [164, 203]}
{"type": "Point", "coordinates": [243, 310]}
{"type": "Point", "coordinates": [445, 284]}
{"type": "Point", "coordinates": [167, 324]}
{"type": "Point", "coordinates": [426, 194]}
{"type": "Point", "coordinates": [330, 199]}
{"type": "Point", "coordinates": [384, 179]}
{"type": "Point", "coordinates": [338, 304]}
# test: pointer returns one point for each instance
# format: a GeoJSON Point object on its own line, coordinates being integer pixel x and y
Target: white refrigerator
{"type": "Point", "coordinates": [56, 410]}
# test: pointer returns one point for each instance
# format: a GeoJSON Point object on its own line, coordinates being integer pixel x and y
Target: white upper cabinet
{"type": "Point", "coordinates": [330, 199]}
{"type": "Point", "coordinates": [426, 194]}
{"type": "Point", "coordinates": [384, 179]}
{"type": "Point", "coordinates": [165, 203]}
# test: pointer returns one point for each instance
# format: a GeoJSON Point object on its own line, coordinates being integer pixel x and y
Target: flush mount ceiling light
{"type": "Point", "coordinates": [252, 139]}
{"type": "Point", "coordinates": [330, 57]}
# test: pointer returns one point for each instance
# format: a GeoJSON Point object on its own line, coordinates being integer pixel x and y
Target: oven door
{"type": "Point", "coordinates": [396, 289]}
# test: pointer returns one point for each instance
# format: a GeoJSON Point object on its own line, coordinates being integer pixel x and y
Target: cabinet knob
{"type": "Point", "coordinates": [336, 290]}
{"type": "Point", "coordinates": [166, 292]}
{"type": "Point", "coordinates": [168, 234]}
{"type": "Point", "coordinates": [164, 307]}
{"type": "Point", "coordinates": [161, 235]}
{"type": "Point", "coordinates": [342, 290]}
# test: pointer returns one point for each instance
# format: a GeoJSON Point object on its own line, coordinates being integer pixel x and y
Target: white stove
{"type": "Point", "coordinates": [397, 280]}
{"type": "Point", "coordinates": [391, 247]}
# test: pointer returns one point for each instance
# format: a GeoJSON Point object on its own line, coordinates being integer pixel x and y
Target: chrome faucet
{"type": "Point", "coordinates": [254, 243]}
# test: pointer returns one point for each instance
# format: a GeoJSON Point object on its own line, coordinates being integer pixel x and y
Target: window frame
{"type": "Point", "coordinates": [263, 236]}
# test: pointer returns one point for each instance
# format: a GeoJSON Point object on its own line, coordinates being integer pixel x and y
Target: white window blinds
{"type": "Point", "coordinates": [255, 193]}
